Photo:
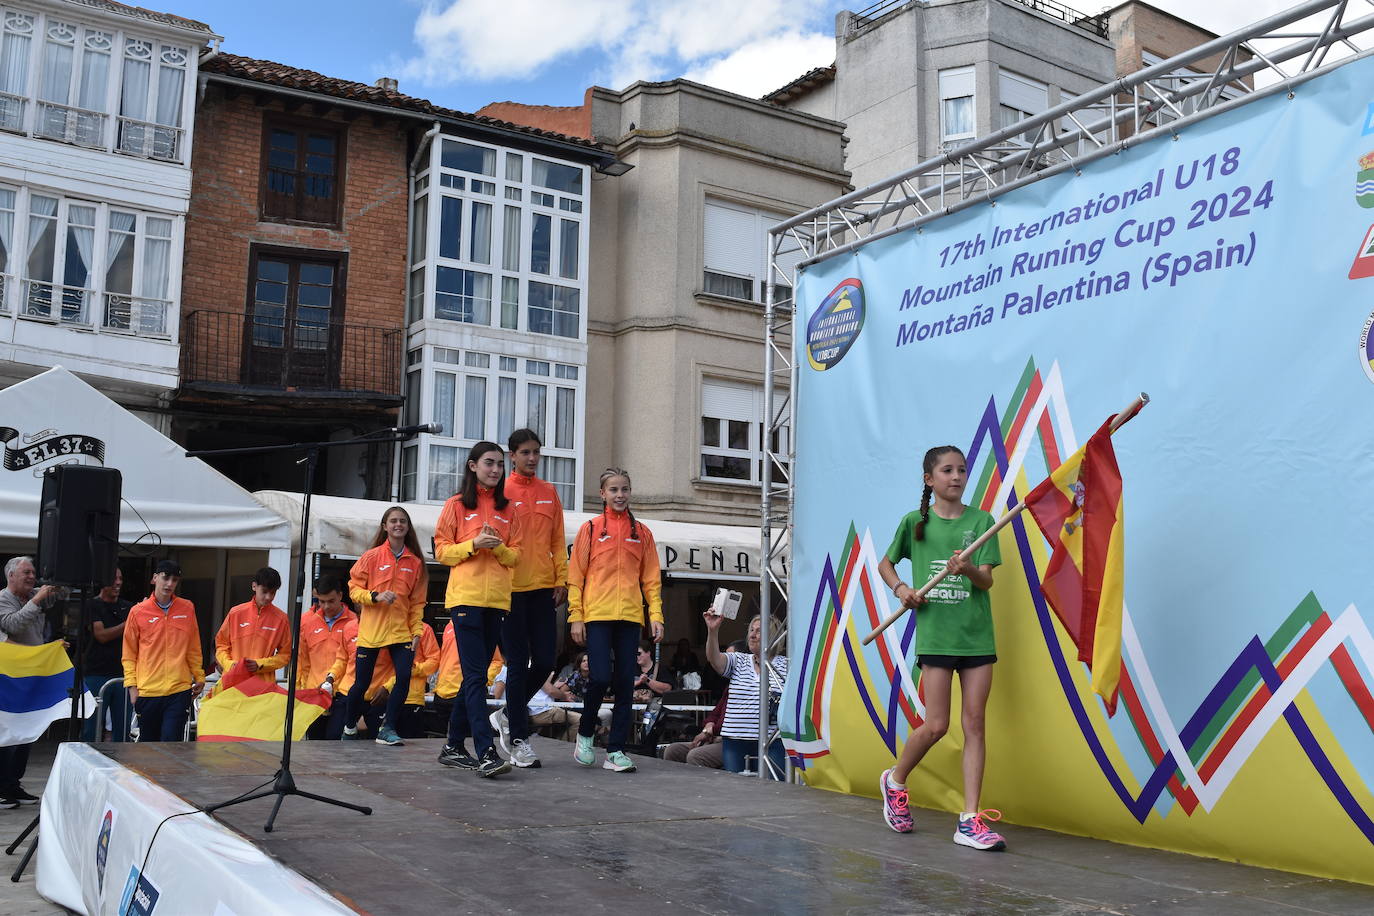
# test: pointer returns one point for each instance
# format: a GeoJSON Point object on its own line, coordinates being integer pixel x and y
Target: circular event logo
{"type": "Point", "coordinates": [835, 325]}
{"type": "Point", "coordinates": [1367, 347]}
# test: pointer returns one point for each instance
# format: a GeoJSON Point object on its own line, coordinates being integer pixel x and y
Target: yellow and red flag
{"type": "Point", "coordinates": [1078, 508]}
{"type": "Point", "coordinates": [246, 708]}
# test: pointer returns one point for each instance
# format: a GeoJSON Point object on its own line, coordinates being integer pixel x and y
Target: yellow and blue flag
{"type": "Point", "coordinates": [35, 685]}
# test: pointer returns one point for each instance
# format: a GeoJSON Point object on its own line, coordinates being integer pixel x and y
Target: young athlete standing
{"type": "Point", "coordinates": [388, 584]}
{"type": "Point", "coordinates": [478, 537]}
{"type": "Point", "coordinates": [612, 574]}
{"type": "Point", "coordinates": [539, 583]}
{"type": "Point", "coordinates": [953, 634]}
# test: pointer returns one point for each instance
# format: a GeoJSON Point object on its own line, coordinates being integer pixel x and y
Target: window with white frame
{"type": "Point", "coordinates": [508, 244]}
{"type": "Point", "coordinates": [732, 432]}
{"type": "Point", "coordinates": [735, 253]}
{"type": "Point", "coordinates": [1020, 98]}
{"type": "Point", "coordinates": [94, 87]}
{"type": "Point", "coordinates": [85, 263]}
{"type": "Point", "coordinates": [958, 120]}
{"type": "Point", "coordinates": [475, 396]}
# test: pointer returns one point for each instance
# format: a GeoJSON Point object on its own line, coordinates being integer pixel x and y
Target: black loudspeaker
{"type": "Point", "coordinates": [78, 525]}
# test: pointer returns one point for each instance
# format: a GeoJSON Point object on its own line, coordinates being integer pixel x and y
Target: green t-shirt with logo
{"type": "Point", "coordinates": [956, 618]}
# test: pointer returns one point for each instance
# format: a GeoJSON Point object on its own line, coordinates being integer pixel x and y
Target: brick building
{"type": "Point", "coordinates": [297, 267]}
{"type": "Point", "coordinates": [1145, 35]}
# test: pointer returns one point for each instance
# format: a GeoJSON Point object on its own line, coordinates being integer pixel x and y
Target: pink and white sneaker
{"type": "Point", "coordinates": [895, 810]}
{"type": "Point", "coordinates": [972, 832]}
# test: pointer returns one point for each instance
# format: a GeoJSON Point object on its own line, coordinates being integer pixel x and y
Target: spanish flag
{"type": "Point", "coordinates": [247, 708]}
{"type": "Point", "coordinates": [35, 691]}
{"type": "Point", "coordinates": [1078, 508]}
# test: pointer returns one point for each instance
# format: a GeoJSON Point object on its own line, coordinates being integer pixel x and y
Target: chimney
{"type": "Point", "coordinates": [386, 83]}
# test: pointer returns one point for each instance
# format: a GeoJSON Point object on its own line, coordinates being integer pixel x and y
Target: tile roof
{"type": "Point", "coordinates": [801, 85]}
{"type": "Point", "coordinates": [275, 74]}
{"type": "Point", "coordinates": [139, 12]}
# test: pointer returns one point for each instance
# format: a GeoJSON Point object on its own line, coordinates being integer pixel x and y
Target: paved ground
{"type": "Point", "coordinates": [669, 839]}
{"type": "Point", "coordinates": [20, 899]}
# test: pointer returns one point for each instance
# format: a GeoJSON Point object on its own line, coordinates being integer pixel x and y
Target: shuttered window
{"type": "Point", "coordinates": [735, 252]}
{"type": "Point", "coordinates": [732, 425]}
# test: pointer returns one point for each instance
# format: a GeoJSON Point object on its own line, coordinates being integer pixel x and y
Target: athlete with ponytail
{"type": "Point", "coordinates": [953, 634]}
{"type": "Point", "coordinates": [612, 574]}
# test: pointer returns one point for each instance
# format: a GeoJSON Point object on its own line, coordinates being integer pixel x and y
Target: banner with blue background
{"type": "Point", "coordinates": [1229, 273]}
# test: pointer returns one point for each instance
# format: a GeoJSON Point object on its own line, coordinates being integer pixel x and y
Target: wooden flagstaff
{"type": "Point", "coordinates": [1117, 422]}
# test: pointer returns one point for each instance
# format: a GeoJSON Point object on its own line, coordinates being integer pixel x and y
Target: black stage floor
{"type": "Point", "coordinates": [674, 839]}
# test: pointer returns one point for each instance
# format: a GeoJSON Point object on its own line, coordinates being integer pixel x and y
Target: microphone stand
{"type": "Point", "coordinates": [284, 783]}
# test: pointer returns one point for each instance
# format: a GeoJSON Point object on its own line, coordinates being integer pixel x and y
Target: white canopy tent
{"type": "Point", "coordinates": [56, 417]}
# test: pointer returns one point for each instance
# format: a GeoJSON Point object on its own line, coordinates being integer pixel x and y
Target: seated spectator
{"type": "Point", "coordinates": [543, 712]}
{"type": "Point", "coordinates": [684, 661]}
{"type": "Point", "coordinates": [576, 686]}
{"type": "Point", "coordinates": [649, 683]}
{"type": "Point", "coordinates": [704, 750]}
{"type": "Point", "coordinates": [740, 728]}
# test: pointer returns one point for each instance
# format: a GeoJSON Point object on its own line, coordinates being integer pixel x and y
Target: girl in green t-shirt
{"type": "Point", "coordinates": [953, 633]}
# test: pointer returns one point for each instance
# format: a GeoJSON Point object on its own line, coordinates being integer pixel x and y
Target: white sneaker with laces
{"type": "Point", "coordinates": [523, 755]}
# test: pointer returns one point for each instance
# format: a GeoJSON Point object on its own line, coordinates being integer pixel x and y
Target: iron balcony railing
{"type": "Point", "coordinates": [69, 305]}
{"type": "Point", "coordinates": [284, 353]}
{"type": "Point", "coordinates": [1095, 25]}
{"type": "Point", "coordinates": [149, 140]}
{"type": "Point", "coordinates": [12, 112]}
{"type": "Point", "coordinates": [91, 129]}
{"type": "Point", "coordinates": [70, 125]}
{"type": "Point", "coordinates": [137, 315]}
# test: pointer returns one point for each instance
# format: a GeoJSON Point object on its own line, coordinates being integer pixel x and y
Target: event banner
{"type": "Point", "coordinates": [1228, 271]}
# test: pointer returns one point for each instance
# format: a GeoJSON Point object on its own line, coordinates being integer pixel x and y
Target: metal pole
{"type": "Point", "coordinates": [765, 517]}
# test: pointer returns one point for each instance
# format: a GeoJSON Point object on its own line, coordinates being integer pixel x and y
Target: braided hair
{"type": "Point", "coordinates": [605, 476]}
{"type": "Point", "coordinates": [927, 468]}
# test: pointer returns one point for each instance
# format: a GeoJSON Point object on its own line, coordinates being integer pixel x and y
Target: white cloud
{"type": "Point", "coordinates": [493, 39]}
{"type": "Point", "coordinates": [767, 63]}
{"type": "Point", "coordinates": [747, 46]}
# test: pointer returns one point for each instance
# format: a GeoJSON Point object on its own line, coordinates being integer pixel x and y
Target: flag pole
{"type": "Point", "coordinates": [1117, 422]}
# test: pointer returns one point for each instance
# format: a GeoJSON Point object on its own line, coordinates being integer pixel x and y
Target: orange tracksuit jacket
{"type": "Point", "coordinates": [264, 636]}
{"type": "Point", "coordinates": [162, 648]}
{"type": "Point", "coordinates": [383, 674]}
{"type": "Point", "coordinates": [611, 576]}
{"type": "Point", "coordinates": [379, 570]}
{"type": "Point", "coordinates": [478, 578]}
{"type": "Point", "coordinates": [426, 663]}
{"type": "Point", "coordinates": [451, 671]}
{"type": "Point", "coordinates": [322, 649]}
{"type": "Point", "coordinates": [543, 549]}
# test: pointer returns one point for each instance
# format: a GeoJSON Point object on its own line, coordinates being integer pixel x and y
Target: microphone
{"type": "Point", "coordinates": [414, 430]}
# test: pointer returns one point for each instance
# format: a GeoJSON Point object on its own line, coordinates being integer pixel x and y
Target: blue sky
{"type": "Point", "coordinates": [465, 53]}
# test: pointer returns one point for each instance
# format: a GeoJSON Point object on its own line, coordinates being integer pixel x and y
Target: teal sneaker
{"type": "Point", "coordinates": [619, 761]}
{"type": "Point", "coordinates": [386, 735]}
{"type": "Point", "coordinates": [584, 752]}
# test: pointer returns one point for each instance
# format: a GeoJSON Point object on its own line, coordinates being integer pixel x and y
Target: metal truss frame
{"type": "Point", "coordinates": [1161, 99]}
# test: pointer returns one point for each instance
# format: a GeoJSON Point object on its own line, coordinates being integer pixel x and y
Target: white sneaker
{"type": "Point", "coordinates": [522, 755]}
{"type": "Point", "coordinates": [501, 727]}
